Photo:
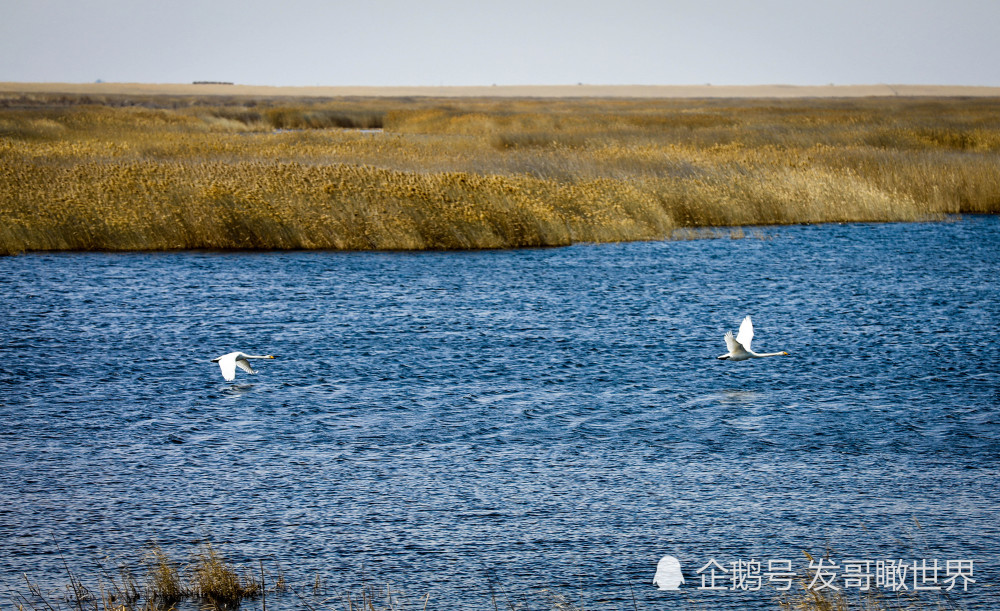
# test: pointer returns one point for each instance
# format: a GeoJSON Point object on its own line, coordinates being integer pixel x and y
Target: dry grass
{"type": "Point", "coordinates": [219, 583]}
{"type": "Point", "coordinates": [160, 173]}
{"type": "Point", "coordinates": [874, 599]}
{"type": "Point", "coordinates": [163, 581]}
{"type": "Point", "coordinates": [208, 581]}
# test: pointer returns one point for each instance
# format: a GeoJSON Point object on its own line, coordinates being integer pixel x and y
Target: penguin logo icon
{"type": "Point", "coordinates": [668, 574]}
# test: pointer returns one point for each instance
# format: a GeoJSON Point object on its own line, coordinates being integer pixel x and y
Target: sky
{"type": "Point", "coordinates": [502, 42]}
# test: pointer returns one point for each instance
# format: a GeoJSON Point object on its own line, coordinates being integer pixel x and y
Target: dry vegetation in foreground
{"type": "Point", "coordinates": [158, 583]}
{"type": "Point", "coordinates": [208, 581]}
{"type": "Point", "coordinates": [160, 173]}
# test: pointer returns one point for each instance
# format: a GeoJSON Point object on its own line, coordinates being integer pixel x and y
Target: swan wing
{"type": "Point", "coordinates": [228, 366]}
{"type": "Point", "coordinates": [244, 364]}
{"type": "Point", "coordinates": [736, 350]}
{"type": "Point", "coordinates": [745, 336]}
{"type": "Point", "coordinates": [731, 343]}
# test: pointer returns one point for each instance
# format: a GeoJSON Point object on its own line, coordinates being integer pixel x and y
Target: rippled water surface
{"type": "Point", "coordinates": [548, 421]}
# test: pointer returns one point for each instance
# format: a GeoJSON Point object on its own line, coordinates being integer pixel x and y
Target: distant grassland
{"type": "Point", "coordinates": [169, 172]}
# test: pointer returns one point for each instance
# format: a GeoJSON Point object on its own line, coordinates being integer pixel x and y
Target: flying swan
{"type": "Point", "coordinates": [229, 362]}
{"type": "Point", "coordinates": [739, 347]}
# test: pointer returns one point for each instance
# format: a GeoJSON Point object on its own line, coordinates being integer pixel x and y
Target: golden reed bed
{"type": "Point", "coordinates": [211, 166]}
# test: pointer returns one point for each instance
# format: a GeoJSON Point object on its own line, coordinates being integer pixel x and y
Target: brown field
{"type": "Point", "coordinates": [108, 167]}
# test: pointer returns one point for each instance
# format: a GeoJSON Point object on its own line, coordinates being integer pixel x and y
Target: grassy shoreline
{"type": "Point", "coordinates": [159, 582]}
{"type": "Point", "coordinates": [122, 173]}
{"type": "Point", "coordinates": [208, 580]}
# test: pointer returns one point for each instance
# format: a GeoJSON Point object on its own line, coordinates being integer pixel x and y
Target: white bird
{"type": "Point", "coordinates": [229, 362]}
{"type": "Point", "coordinates": [739, 347]}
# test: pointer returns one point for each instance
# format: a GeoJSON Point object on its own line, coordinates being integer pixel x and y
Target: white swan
{"type": "Point", "coordinates": [229, 362]}
{"type": "Point", "coordinates": [739, 347]}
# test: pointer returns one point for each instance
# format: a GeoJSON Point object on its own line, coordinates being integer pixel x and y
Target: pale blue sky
{"type": "Point", "coordinates": [504, 42]}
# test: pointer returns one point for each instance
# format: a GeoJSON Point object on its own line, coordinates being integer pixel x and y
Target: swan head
{"type": "Point", "coordinates": [783, 352]}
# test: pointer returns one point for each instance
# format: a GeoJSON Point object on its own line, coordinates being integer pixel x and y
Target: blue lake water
{"type": "Point", "coordinates": [549, 422]}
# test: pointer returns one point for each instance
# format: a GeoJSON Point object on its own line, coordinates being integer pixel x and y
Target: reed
{"type": "Point", "coordinates": [163, 581]}
{"type": "Point", "coordinates": [219, 583]}
{"type": "Point", "coordinates": [872, 600]}
{"type": "Point", "coordinates": [159, 173]}
{"type": "Point", "coordinates": [208, 581]}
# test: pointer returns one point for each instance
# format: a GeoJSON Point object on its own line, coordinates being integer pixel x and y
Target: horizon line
{"type": "Point", "coordinates": [216, 87]}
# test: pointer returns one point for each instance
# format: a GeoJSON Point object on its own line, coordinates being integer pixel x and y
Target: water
{"type": "Point", "coordinates": [548, 421]}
